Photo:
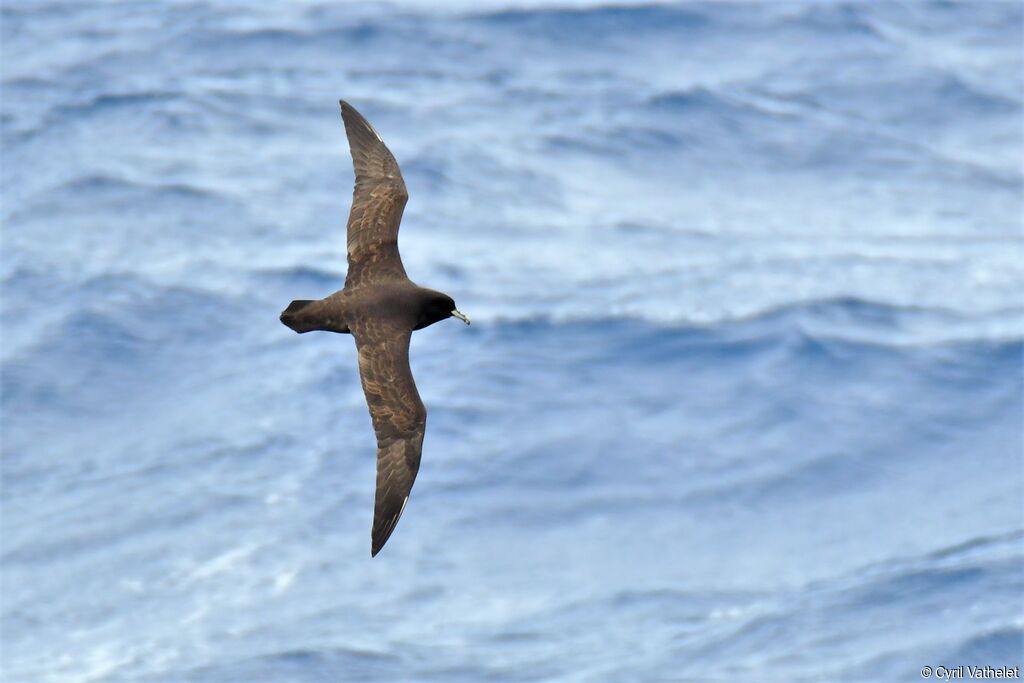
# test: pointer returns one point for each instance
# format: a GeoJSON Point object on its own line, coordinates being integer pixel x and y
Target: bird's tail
{"type": "Point", "coordinates": [294, 317]}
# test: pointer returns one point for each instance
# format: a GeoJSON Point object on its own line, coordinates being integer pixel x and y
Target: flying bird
{"type": "Point", "coordinates": [380, 307]}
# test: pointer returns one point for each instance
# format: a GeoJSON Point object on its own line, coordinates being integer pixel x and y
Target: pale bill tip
{"type": "Point", "coordinates": [460, 315]}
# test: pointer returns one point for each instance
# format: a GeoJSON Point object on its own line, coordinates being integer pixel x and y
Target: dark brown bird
{"type": "Point", "coordinates": [380, 306]}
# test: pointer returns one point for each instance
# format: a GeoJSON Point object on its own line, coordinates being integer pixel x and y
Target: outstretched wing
{"type": "Point", "coordinates": [377, 204]}
{"type": "Point", "coordinates": [398, 415]}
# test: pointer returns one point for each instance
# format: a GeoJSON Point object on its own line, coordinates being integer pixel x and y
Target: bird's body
{"type": "Point", "coordinates": [400, 300]}
{"type": "Point", "coordinates": [381, 307]}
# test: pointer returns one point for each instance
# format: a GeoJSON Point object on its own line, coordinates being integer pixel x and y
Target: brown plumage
{"type": "Point", "coordinates": [380, 306]}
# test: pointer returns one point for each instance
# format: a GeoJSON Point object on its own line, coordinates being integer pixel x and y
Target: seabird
{"type": "Point", "coordinates": [380, 307]}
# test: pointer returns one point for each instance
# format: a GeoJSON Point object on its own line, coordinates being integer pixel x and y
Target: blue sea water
{"type": "Point", "coordinates": [742, 398]}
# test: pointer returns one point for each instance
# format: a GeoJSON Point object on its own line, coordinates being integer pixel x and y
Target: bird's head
{"type": "Point", "coordinates": [438, 306]}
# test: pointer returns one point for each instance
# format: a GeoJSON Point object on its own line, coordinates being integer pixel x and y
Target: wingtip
{"type": "Point", "coordinates": [347, 111]}
{"type": "Point", "coordinates": [356, 124]}
{"type": "Point", "coordinates": [379, 535]}
{"type": "Point", "coordinates": [378, 539]}
{"type": "Point", "coordinates": [377, 544]}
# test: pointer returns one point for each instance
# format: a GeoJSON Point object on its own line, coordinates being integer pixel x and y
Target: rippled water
{"type": "Point", "coordinates": [742, 399]}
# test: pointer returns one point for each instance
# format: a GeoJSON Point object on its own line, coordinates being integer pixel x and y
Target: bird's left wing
{"type": "Point", "coordinates": [378, 201]}
{"type": "Point", "coordinates": [398, 415]}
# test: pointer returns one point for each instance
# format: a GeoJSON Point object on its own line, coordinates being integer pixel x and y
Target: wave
{"type": "Point", "coordinates": [104, 102]}
{"type": "Point", "coordinates": [998, 647]}
{"type": "Point", "coordinates": [85, 199]}
{"type": "Point", "coordinates": [106, 337]}
{"type": "Point", "coordinates": [598, 21]}
{"type": "Point", "coordinates": [300, 278]}
{"type": "Point", "coordinates": [299, 664]}
{"type": "Point", "coordinates": [291, 40]}
{"type": "Point", "coordinates": [834, 320]}
{"type": "Point", "coordinates": [122, 319]}
{"type": "Point", "coordinates": [104, 187]}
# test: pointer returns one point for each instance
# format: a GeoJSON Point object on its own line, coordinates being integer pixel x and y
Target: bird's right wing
{"type": "Point", "coordinates": [377, 204]}
{"type": "Point", "coordinates": [399, 418]}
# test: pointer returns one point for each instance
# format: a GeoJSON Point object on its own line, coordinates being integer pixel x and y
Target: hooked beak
{"type": "Point", "coordinates": [456, 313]}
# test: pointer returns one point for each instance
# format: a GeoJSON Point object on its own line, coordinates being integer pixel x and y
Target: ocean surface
{"type": "Point", "coordinates": [741, 400]}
